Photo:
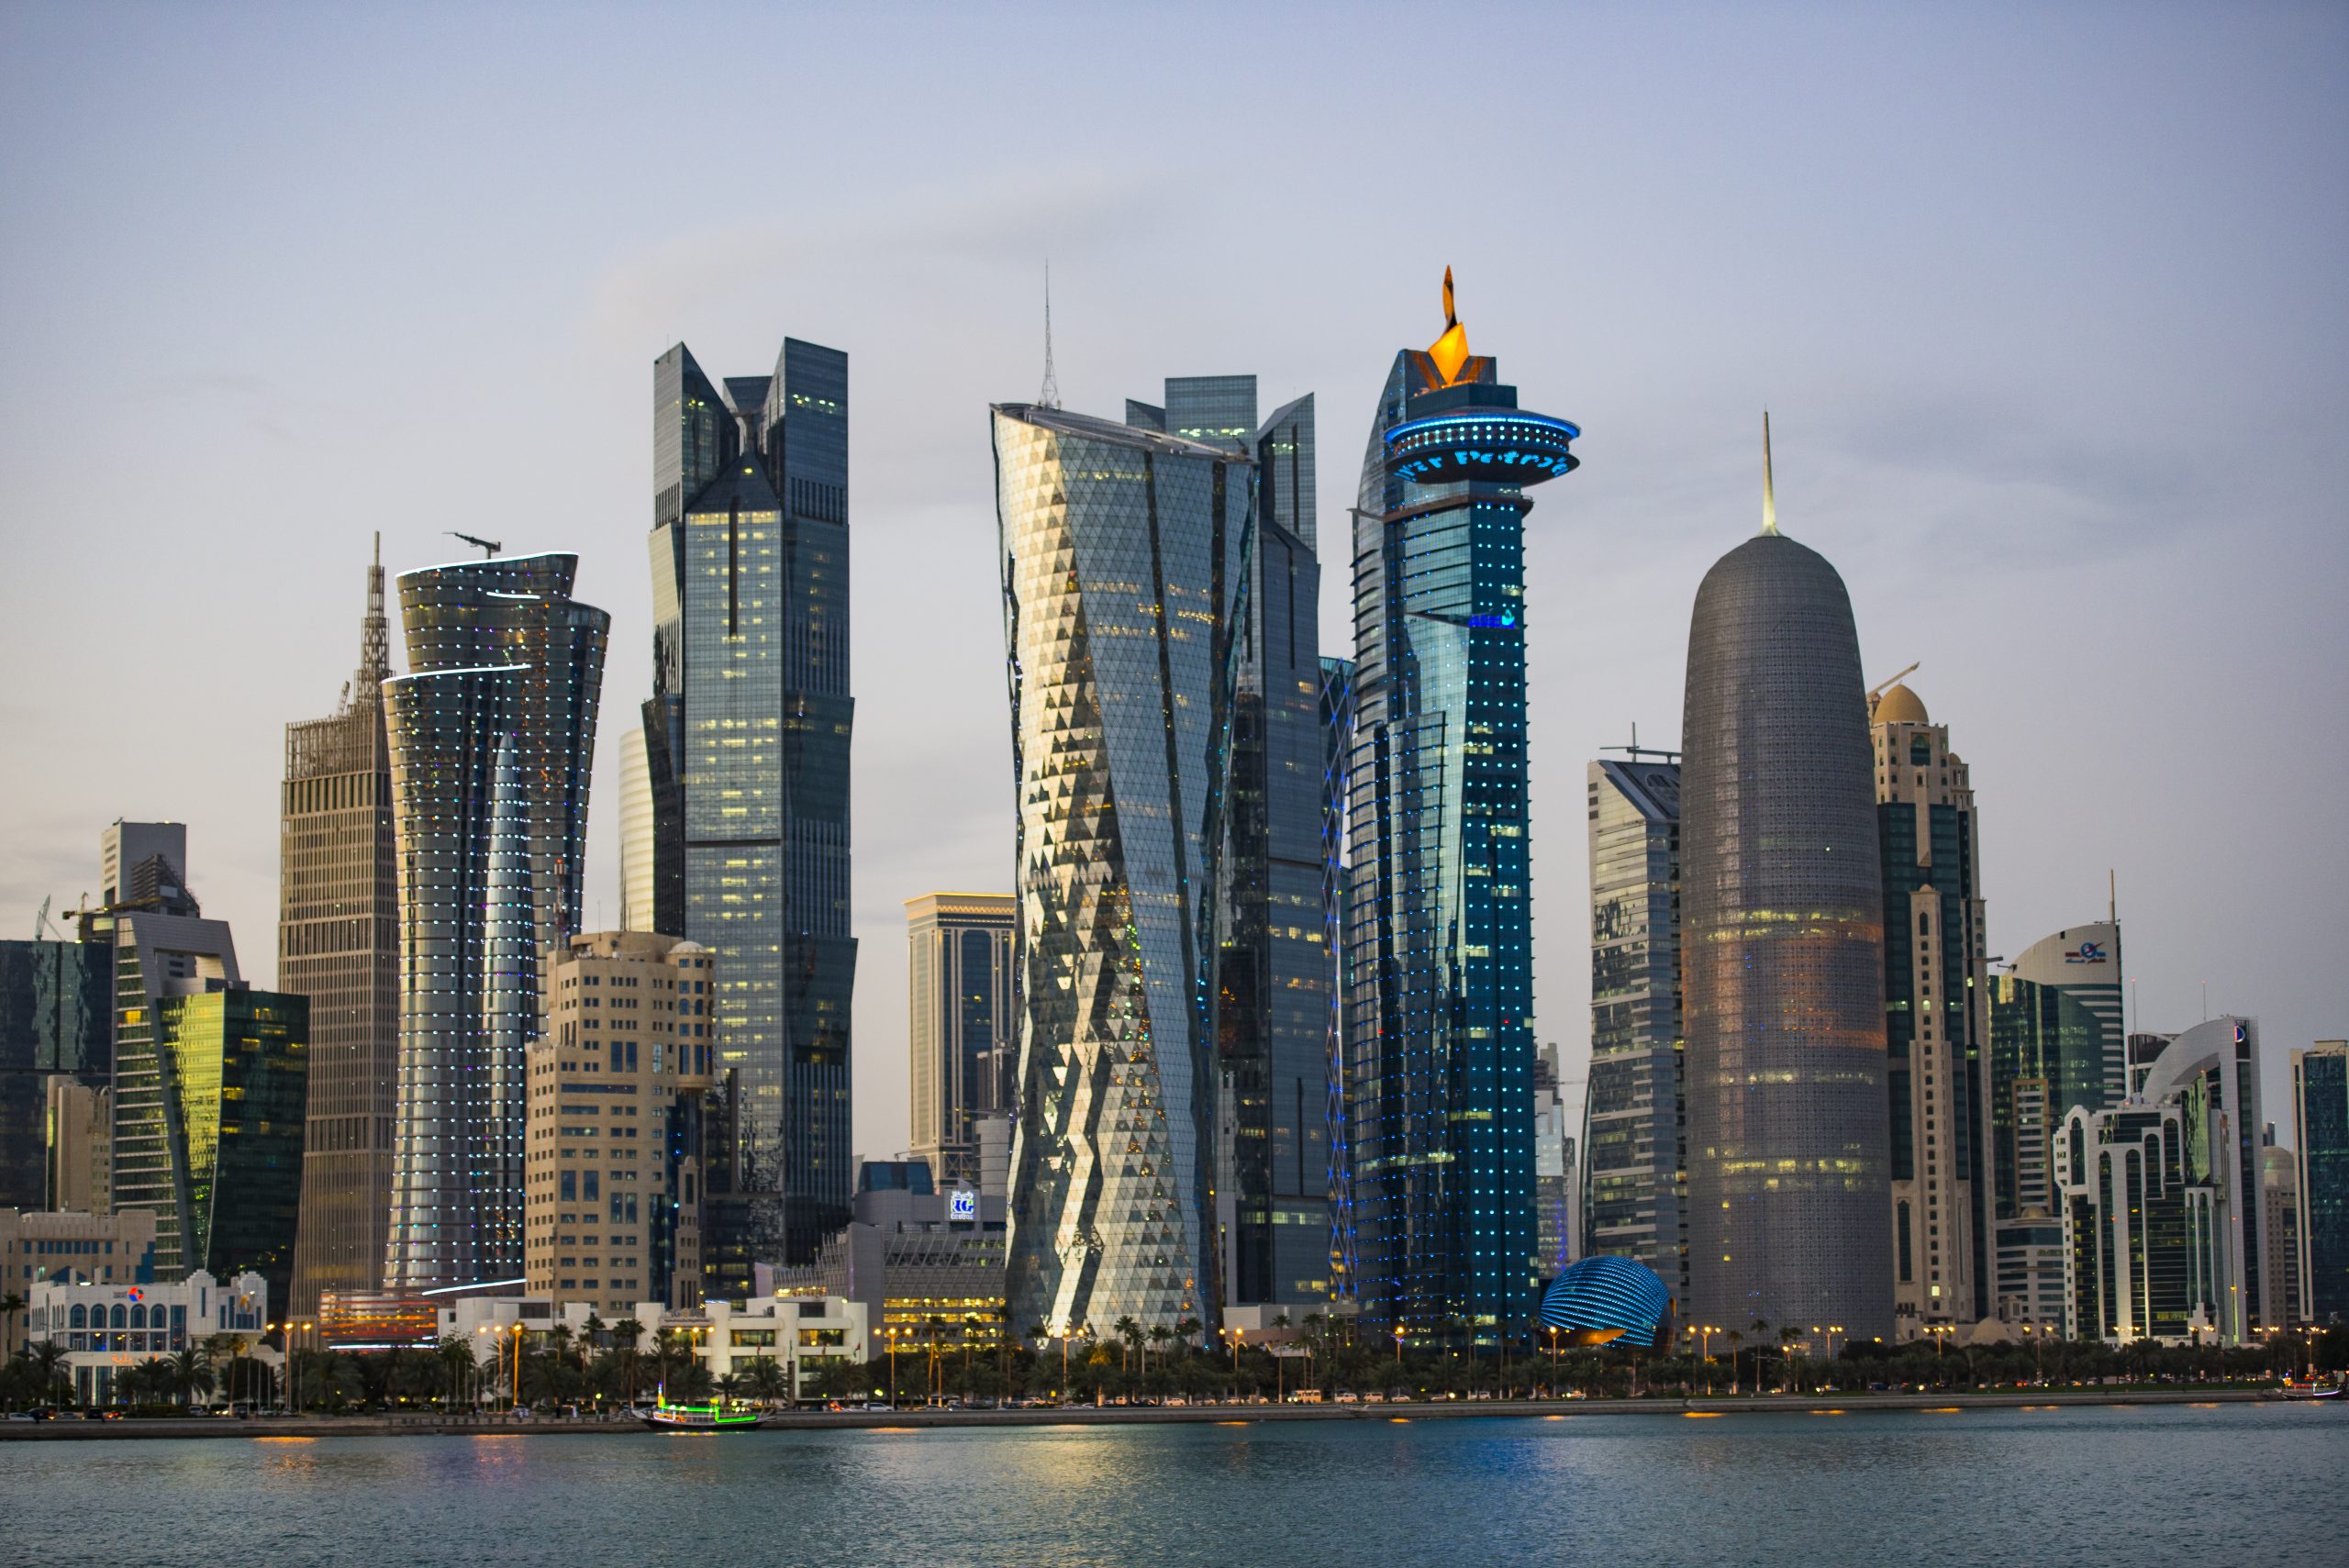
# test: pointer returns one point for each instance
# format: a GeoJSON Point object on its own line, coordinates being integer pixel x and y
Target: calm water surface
{"type": "Point", "coordinates": [2265, 1485]}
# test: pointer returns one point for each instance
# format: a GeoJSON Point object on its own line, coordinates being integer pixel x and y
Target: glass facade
{"type": "Point", "coordinates": [1782, 954]}
{"type": "Point", "coordinates": [2047, 1058]}
{"type": "Point", "coordinates": [2321, 1133]}
{"type": "Point", "coordinates": [338, 927]}
{"type": "Point", "coordinates": [746, 740]}
{"type": "Point", "coordinates": [1337, 747]}
{"type": "Point", "coordinates": [1634, 1147]}
{"type": "Point", "coordinates": [56, 1017]}
{"type": "Point", "coordinates": [491, 737]}
{"type": "Point", "coordinates": [962, 1008]}
{"type": "Point", "coordinates": [1123, 556]}
{"type": "Point", "coordinates": [1438, 934]}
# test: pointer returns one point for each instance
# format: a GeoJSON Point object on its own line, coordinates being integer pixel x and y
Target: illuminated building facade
{"type": "Point", "coordinates": [1438, 934]}
{"type": "Point", "coordinates": [1123, 557]}
{"type": "Point", "coordinates": [961, 1010]}
{"type": "Point", "coordinates": [1633, 1153]}
{"type": "Point", "coordinates": [338, 922]}
{"type": "Point", "coordinates": [492, 735]}
{"type": "Point", "coordinates": [746, 740]}
{"type": "Point", "coordinates": [1781, 952]}
{"type": "Point", "coordinates": [1936, 1018]}
{"type": "Point", "coordinates": [2321, 1137]}
{"type": "Point", "coordinates": [1606, 1299]}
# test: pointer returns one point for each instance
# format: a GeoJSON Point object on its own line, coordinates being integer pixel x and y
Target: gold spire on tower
{"type": "Point", "coordinates": [1450, 352]}
{"type": "Point", "coordinates": [1769, 498]}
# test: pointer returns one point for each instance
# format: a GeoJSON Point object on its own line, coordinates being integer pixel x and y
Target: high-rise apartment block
{"type": "Point", "coordinates": [338, 928]}
{"type": "Point", "coordinates": [2321, 1137]}
{"type": "Point", "coordinates": [618, 1076]}
{"type": "Point", "coordinates": [746, 740]}
{"type": "Point", "coordinates": [1936, 1015]}
{"type": "Point", "coordinates": [1634, 1152]}
{"type": "Point", "coordinates": [1781, 952]}
{"type": "Point", "coordinates": [56, 1022]}
{"type": "Point", "coordinates": [2279, 1196]}
{"type": "Point", "coordinates": [962, 1017]}
{"type": "Point", "coordinates": [492, 735]}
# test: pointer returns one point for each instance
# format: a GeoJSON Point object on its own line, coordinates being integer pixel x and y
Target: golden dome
{"type": "Point", "coordinates": [1897, 705]}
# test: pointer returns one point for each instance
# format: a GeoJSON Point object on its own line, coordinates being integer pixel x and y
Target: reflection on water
{"type": "Point", "coordinates": [2016, 1486]}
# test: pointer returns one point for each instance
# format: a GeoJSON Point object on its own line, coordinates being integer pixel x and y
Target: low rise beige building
{"type": "Point", "coordinates": [96, 1249]}
{"type": "Point", "coordinates": [618, 1081]}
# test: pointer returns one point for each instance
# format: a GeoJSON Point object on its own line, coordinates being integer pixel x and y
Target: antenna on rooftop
{"type": "Point", "coordinates": [1050, 397]}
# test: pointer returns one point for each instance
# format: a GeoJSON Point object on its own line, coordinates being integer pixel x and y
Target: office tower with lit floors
{"type": "Point", "coordinates": [961, 1025]}
{"type": "Point", "coordinates": [1438, 925]}
{"type": "Point", "coordinates": [493, 736]}
{"type": "Point", "coordinates": [338, 944]}
{"type": "Point", "coordinates": [1781, 952]}
{"type": "Point", "coordinates": [746, 742]}
{"type": "Point", "coordinates": [1936, 1019]}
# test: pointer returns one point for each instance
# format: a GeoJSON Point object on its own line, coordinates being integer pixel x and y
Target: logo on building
{"type": "Point", "coordinates": [2088, 952]}
{"type": "Point", "coordinates": [962, 1204]}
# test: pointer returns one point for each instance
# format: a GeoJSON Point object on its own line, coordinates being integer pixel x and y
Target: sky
{"type": "Point", "coordinates": [2046, 304]}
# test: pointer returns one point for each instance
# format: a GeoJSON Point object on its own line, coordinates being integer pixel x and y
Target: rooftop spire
{"type": "Point", "coordinates": [1050, 397]}
{"type": "Point", "coordinates": [1450, 352]}
{"type": "Point", "coordinates": [1769, 496]}
{"type": "Point", "coordinates": [375, 644]}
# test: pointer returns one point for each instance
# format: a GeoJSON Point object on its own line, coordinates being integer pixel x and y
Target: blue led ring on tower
{"type": "Point", "coordinates": [1602, 1299]}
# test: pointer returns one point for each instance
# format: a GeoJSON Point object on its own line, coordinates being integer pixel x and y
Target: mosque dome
{"type": "Point", "coordinates": [1897, 705]}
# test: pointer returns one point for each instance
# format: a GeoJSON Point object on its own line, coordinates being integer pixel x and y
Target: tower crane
{"type": "Point", "coordinates": [1878, 689]}
{"type": "Point", "coordinates": [488, 547]}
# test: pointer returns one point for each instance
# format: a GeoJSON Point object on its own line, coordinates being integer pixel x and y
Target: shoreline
{"type": "Point", "coordinates": [317, 1426]}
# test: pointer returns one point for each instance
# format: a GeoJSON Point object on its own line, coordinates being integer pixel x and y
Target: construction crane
{"type": "Point", "coordinates": [1878, 689]}
{"type": "Point", "coordinates": [40, 921]}
{"type": "Point", "coordinates": [489, 547]}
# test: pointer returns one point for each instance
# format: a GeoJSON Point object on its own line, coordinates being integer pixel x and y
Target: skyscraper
{"type": "Point", "coordinates": [337, 944]}
{"type": "Point", "coordinates": [2057, 1046]}
{"type": "Point", "coordinates": [1782, 950]}
{"type": "Point", "coordinates": [2321, 1135]}
{"type": "Point", "coordinates": [492, 736]}
{"type": "Point", "coordinates": [962, 1018]}
{"type": "Point", "coordinates": [2280, 1197]}
{"type": "Point", "coordinates": [1439, 931]}
{"type": "Point", "coordinates": [1633, 1148]}
{"type": "Point", "coordinates": [56, 1017]}
{"type": "Point", "coordinates": [1337, 748]}
{"type": "Point", "coordinates": [1936, 1016]}
{"type": "Point", "coordinates": [746, 742]}
{"type": "Point", "coordinates": [1122, 556]}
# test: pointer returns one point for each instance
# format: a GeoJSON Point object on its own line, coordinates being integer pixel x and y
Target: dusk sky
{"type": "Point", "coordinates": [2047, 305]}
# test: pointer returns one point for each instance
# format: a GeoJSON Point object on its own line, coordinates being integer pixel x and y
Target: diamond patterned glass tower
{"type": "Point", "coordinates": [1438, 965]}
{"type": "Point", "coordinates": [492, 734]}
{"type": "Point", "coordinates": [1122, 556]}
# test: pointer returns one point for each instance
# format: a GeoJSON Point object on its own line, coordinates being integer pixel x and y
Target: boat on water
{"type": "Point", "coordinates": [2311, 1390]}
{"type": "Point", "coordinates": [717, 1418]}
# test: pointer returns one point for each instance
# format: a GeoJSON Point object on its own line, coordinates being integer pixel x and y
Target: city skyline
{"type": "Point", "coordinates": [2016, 384]}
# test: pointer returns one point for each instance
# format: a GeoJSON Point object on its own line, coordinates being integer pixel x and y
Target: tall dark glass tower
{"type": "Point", "coordinates": [1439, 932]}
{"type": "Point", "coordinates": [1782, 952]}
{"type": "Point", "coordinates": [56, 1017]}
{"type": "Point", "coordinates": [747, 747]}
{"type": "Point", "coordinates": [492, 735]}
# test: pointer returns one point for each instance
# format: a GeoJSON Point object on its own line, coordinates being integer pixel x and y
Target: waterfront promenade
{"type": "Point", "coordinates": [73, 1429]}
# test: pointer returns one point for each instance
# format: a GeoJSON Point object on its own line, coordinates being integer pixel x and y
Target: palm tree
{"type": "Point", "coordinates": [10, 1305]}
{"type": "Point", "coordinates": [732, 1386]}
{"type": "Point", "coordinates": [50, 1374]}
{"type": "Point", "coordinates": [1127, 1330]}
{"type": "Point", "coordinates": [1787, 1355]}
{"type": "Point", "coordinates": [192, 1373]}
{"type": "Point", "coordinates": [1735, 1337]}
{"type": "Point", "coordinates": [1159, 1334]}
{"type": "Point", "coordinates": [767, 1380]}
{"type": "Point", "coordinates": [456, 1359]}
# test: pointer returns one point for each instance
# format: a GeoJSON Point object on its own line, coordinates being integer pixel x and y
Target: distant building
{"type": "Point", "coordinates": [2083, 963]}
{"type": "Point", "coordinates": [619, 1080]}
{"type": "Point", "coordinates": [801, 1333]}
{"type": "Point", "coordinates": [1439, 959]}
{"type": "Point", "coordinates": [2164, 1226]}
{"type": "Point", "coordinates": [1937, 1021]}
{"type": "Point", "coordinates": [747, 739]}
{"type": "Point", "coordinates": [1337, 747]}
{"type": "Point", "coordinates": [925, 1264]}
{"type": "Point", "coordinates": [962, 1022]}
{"type": "Point", "coordinates": [102, 1249]}
{"type": "Point", "coordinates": [337, 928]}
{"type": "Point", "coordinates": [78, 1132]}
{"type": "Point", "coordinates": [106, 1328]}
{"type": "Point", "coordinates": [2048, 1058]}
{"type": "Point", "coordinates": [55, 1019]}
{"type": "Point", "coordinates": [1555, 1196]}
{"type": "Point", "coordinates": [1634, 1146]}
{"type": "Point", "coordinates": [2279, 1196]}
{"type": "Point", "coordinates": [638, 904]}
{"type": "Point", "coordinates": [2321, 1133]}
{"type": "Point", "coordinates": [493, 736]}
{"type": "Point", "coordinates": [1782, 944]}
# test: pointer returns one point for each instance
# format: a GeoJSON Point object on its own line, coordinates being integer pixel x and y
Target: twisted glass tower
{"type": "Point", "coordinates": [1122, 558]}
{"type": "Point", "coordinates": [1782, 952]}
{"type": "Point", "coordinates": [492, 735]}
{"type": "Point", "coordinates": [1438, 958]}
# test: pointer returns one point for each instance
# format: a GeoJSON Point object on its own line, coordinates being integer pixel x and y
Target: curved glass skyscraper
{"type": "Point", "coordinates": [1782, 952]}
{"type": "Point", "coordinates": [1439, 956]}
{"type": "Point", "coordinates": [492, 735]}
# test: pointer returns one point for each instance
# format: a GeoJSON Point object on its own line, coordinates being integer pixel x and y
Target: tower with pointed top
{"type": "Point", "coordinates": [746, 744]}
{"type": "Point", "coordinates": [1782, 946]}
{"type": "Point", "coordinates": [337, 916]}
{"type": "Point", "coordinates": [1437, 924]}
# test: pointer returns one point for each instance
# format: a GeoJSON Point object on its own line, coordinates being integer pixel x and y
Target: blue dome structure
{"type": "Point", "coordinates": [1601, 1299]}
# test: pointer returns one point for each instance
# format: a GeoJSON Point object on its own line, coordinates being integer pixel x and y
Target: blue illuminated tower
{"type": "Point", "coordinates": [1438, 962]}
